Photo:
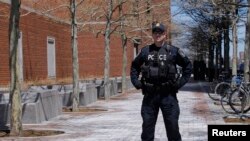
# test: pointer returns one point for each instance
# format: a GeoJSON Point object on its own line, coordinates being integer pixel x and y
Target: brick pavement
{"type": "Point", "coordinates": [119, 119]}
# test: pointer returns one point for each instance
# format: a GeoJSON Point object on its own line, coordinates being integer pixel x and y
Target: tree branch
{"type": "Point", "coordinates": [53, 9]}
{"type": "Point", "coordinates": [79, 3]}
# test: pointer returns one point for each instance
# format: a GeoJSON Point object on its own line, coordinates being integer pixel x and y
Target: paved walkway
{"type": "Point", "coordinates": [119, 119]}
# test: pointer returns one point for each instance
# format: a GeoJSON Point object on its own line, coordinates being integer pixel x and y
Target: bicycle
{"type": "Point", "coordinates": [217, 88]}
{"type": "Point", "coordinates": [220, 89]}
{"type": "Point", "coordinates": [226, 92]}
{"type": "Point", "coordinates": [239, 98]}
{"type": "Point", "coordinates": [237, 101]}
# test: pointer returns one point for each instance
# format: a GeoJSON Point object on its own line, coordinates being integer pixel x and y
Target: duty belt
{"type": "Point", "coordinates": [157, 85]}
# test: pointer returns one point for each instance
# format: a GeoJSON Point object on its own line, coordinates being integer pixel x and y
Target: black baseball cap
{"type": "Point", "coordinates": [158, 27]}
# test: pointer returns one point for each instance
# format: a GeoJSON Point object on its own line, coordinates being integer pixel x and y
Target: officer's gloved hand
{"type": "Point", "coordinates": [138, 85]}
{"type": "Point", "coordinates": [176, 85]}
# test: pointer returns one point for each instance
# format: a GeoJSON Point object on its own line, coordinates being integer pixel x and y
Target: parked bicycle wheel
{"type": "Point", "coordinates": [225, 103]}
{"type": "Point", "coordinates": [239, 102]}
{"type": "Point", "coordinates": [220, 90]}
{"type": "Point", "coordinates": [211, 88]}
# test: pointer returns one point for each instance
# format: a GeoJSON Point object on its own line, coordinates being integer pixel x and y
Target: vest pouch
{"type": "Point", "coordinates": [154, 73]}
{"type": "Point", "coordinates": [163, 71]}
{"type": "Point", "coordinates": [145, 71]}
{"type": "Point", "coordinates": [171, 72]}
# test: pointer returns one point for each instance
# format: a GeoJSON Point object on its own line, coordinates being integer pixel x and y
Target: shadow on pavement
{"type": "Point", "coordinates": [195, 86]}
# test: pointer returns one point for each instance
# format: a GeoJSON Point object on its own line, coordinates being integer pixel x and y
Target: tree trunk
{"type": "Point", "coordinates": [218, 53]}
{"type": "Point", "coordinates": [124, 48]}
{"type": "Point", "coordinates": [124, 62]}
{"type": "Point", "coordinates": [75, 95]}
{"type": "Point", "coordinates": [219, 49]}
{"type": "Point", "coordinates": [216, 69]}
{"type": "Point", "coordinates": [226, 44]}
{"type": "Point", "coordinates": [211, 62]}
{"type": "Point", "coordinates": [247, 44]}
{"type": "Point", "coordinates": [234, 66]}
{"type": "Point", "coordinates": [15, 92]}
{"type": "Point", "coordinates": [235, 43]}
{"type": "Point", "coordinates": [107, 52]}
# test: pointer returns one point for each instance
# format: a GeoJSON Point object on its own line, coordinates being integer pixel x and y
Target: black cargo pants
{"type": "Point", "coordinates": [169, 106]}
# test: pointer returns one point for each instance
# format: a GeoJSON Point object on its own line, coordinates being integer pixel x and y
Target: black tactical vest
{"type": "Point", "coordinates": [159, 67]}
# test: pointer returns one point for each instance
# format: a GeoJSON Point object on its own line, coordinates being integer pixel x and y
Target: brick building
{"type": "Point", "coordinates": [45, 47]}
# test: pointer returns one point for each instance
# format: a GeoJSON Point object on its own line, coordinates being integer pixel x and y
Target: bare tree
{"type": "Point", "coordinates": [74, 47]}
{"type": "Point", "coordinates": [112, 24]}
{"type": "Point", "coordinates": [232, 8]}
{"type": "Point", "coordinates": [75, 95]}
{"type": "Point", "coordinates": [235, 39]}
{"type": "Point", "coordinates": [107, 50]}
{"type": "Point", "coordinates": [71, 6]}
{"type": "Point", "coordinates": [124, 46]}
{"type": "Point", "coordinates": [15, 92]}
{"type": "Point", "coordinates": [136, 21]}
{"type": "Point", "coordinates": [221, 15]}
{"type": "Point", "coordinates": [247, 44]}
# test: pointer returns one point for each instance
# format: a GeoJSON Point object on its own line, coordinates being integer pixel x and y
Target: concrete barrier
{"type": "Point", "coordinates": [119, 84]}
{"type": "Point", "coordinates": [87, 94]}
{"type": "Point", "coordinates": [4, 98]}
{"type": "Point", "coordinates": [99, 88]}
{"type": "Point", "coordinates": [113, 87]}
{"type": "Point", "coordinates": [36, 107]}
{"type": "Point", "coordinates": [42, 103]}
{"type": "Point", "coordinates": [129, 84]}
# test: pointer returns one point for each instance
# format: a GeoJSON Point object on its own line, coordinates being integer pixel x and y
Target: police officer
{"type": "Point", "coordinates": [159, 83]}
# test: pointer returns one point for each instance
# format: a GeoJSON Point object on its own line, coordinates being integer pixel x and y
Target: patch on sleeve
{"type": "Point", "coordinates": [181, 53]}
